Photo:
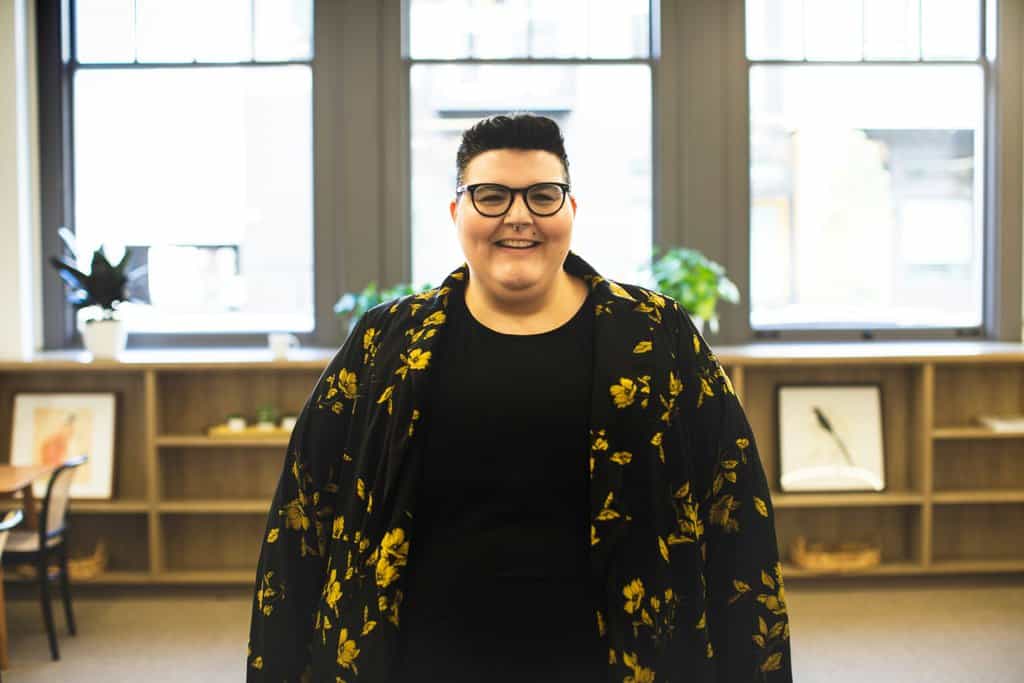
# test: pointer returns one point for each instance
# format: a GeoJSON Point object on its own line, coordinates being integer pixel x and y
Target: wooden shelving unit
{"type": "Point", "coordinates": [189, 509]}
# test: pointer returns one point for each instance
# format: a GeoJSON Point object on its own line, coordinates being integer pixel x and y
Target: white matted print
{"type": "Point", "coordinates": [830, 438]}
{"type": "Point", "coordinates": [50, 428]}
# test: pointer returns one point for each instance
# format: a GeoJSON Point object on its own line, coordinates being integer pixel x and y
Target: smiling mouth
{"type": "Point", "coordinates": [516, 244]}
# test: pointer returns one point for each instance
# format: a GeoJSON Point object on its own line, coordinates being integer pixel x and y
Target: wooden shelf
{"type": "Point", "coordinates": [882, 498]}
{"type": "Point", "coordinates": [983, 496]}
{"type": "Point", "coordinates": [973, 433]}
{"type": "Point", "coordinates": [201, 507]}
{"type": "Point", "coordinates": [191, 510]}
{"type": "Point", "coordinates": [104, 579]}
{"type": "Point", "coordinates": [200, 441]}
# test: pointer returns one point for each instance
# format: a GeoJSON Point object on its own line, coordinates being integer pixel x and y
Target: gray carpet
{"type": "Point", "coordinates": [939, 630]}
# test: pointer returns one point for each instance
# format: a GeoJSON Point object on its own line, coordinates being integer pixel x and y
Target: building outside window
{"type": "Point", "coordinates": [867, 124]}
{"type": "Point", "coordinates": [193, 144]}
{"type": "Point", "coordinates": [585, 63]}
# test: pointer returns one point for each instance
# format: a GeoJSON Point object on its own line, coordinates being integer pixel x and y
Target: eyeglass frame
{"type": "Point", "coordinates": [513, 191]}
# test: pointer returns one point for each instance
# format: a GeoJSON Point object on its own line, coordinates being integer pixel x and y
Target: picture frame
{"type": "Point", "coordinates": [830, 437]}
{"type": "Point", "coordinates": [49, 428]}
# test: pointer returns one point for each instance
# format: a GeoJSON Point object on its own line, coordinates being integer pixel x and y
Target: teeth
{"type": "Point", "coordinates": [517, 243]}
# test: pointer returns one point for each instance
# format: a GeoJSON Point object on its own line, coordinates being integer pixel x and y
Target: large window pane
{"type": "Point", "coordinates": [210, 171]}
{"type": "Point", "coordinates": [866, 191]}
{"type": "Point", "coordinates": [605, 115]}
{"type": "Point", "coordinates": [485, 29]}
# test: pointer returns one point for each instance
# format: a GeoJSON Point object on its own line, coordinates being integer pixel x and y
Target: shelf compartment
{"type": "Point", "coordinates": [980, 533]}
{"type": "Point", "coordinates": [965, 390]}
{"type": "Point", "coordinates": [125, 536]}
{"type": "Point", "coordinates": [902, 416]}
{"type": "Point", "coordinates": [996, 465]}
{"type": "Point", "coordinates": [215, 474]}
{"type": "Point", "coordinates": [850, 499]}
{"type": "Point", "coordinates": [896, 528]}
{"type": "Point", "coordinates": [979, 496]}
{"type": "Point", "coordinates": [212, 542]}
{"type": "Point", "coordinates": [129, 477]}
{"type": "Point", "coordinates": [189, 403]}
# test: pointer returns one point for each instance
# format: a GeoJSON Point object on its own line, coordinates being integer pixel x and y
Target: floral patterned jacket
{"type": "Point", "coordinates": [682, 532]}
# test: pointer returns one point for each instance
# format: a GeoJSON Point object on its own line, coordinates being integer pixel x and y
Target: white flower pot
{"type": "Point", "coordinates": [105, 339]}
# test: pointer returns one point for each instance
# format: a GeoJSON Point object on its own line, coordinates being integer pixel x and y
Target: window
{"type": "Point", "coordinates": [584, 63]}
{"type": "Point", "coordinates": [193, 144]}
{"type": "Point", "coordinates": [867, 123]}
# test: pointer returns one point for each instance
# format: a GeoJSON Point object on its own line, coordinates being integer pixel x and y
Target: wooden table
{"type": "Point", "coordinates": [14, 478]}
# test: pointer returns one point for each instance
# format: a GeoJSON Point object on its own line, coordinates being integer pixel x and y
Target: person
{"type": "Point", "coordinates": [527, 473]}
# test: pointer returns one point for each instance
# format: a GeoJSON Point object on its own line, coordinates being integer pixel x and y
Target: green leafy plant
{"type": "Point", "coordinates": [352, 305]}
{"type": "Point", "coordinates": [693, 280]}
{"type": "Point", "coordinates": [106, 285]}
{"type": "Point", "coordinates": [266, 413]}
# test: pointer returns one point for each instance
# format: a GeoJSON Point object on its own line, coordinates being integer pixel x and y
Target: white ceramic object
{"type": "Point", "coordinates": [105, 339]}
{"type": "Point", "coordinates": [236, 424]}
{"type": "Point", "coordinates": [281, 343]}
{"type": "Point", "coordinates": [288, 422]}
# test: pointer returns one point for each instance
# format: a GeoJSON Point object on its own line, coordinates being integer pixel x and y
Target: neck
{"type": "Point", "coordinates": [527, 314]}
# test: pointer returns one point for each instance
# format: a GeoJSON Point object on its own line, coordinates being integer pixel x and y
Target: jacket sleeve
{"type": "Point", "coordinates": [293, 556]}
{"type": "Point", "coordinates": [747, 620]}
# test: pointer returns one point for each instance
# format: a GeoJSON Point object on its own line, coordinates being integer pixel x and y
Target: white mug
{"type": "Point", "coordinates": [280, 343]}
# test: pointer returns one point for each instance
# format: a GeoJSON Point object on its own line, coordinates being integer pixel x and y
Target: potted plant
{"type": "Point", "coordinates": [695, 281]}
{"type": "Point", "coordinates": [106, 286]}
{"type": "Point", "coordinates": [266, 417]}
{"type": "Point", "coordinates": [351, 306]}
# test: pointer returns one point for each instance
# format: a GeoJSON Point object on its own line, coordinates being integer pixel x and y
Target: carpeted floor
{"type": "Point", "coordinates": [939, 630]}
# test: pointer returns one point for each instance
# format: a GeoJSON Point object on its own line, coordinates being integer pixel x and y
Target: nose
{"type": "Point", "coordinates": [518, 213]}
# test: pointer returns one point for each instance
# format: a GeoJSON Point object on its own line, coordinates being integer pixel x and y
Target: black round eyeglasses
{"type": "Point", "coordinates": [493, 200]}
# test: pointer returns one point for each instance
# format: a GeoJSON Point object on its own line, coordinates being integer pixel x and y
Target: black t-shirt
{"type": "Point", "coordinates": [498, 584]}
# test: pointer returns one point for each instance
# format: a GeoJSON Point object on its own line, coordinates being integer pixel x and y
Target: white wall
{"type": "Point", "coordinates": [20, 299]}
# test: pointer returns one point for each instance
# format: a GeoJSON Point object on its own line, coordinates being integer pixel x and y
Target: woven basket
{"type": "Point", "coordinates": [835, 558]}
{"type": "Point", "coordinates": [80, 568]}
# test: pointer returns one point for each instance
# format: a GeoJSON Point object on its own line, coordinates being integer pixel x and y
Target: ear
{"type": "Point", "coordinates": [451, 209]}
{"type": "Point", "coordinates": [572, 200]}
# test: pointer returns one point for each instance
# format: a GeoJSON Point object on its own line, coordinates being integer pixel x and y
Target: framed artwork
{"type": "Point", "coordinates": [50, 428]}
{"type": "Point", "coordinates": [830, 437]}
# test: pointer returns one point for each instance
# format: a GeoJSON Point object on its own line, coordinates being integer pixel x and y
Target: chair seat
{"type": "Point", "coordinates": [27, 542]}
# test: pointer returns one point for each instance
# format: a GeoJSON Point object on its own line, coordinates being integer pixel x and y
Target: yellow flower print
{"type": "Point", "coordinates": [336, 408]}
{"type": "Point", "coordinates": [594, 540]}
{"type": "Point", "coordinates": [258, 663]}
{"type": "Point", "coordinates": [640, 673]}
{"type": "Point", "coordinates": [361, 489]}
{"type": "Point", "coordinates": [386, 573]}
{"type": "Point", "coordinates": [663, 549]}
{"type": "Point", "coordinates": [347, 383]}
{"type": "Point", "coordinates": [272, 536]}
{"type": "Point", "coordinates": [634, 594]}
{"type": "Point", "coordinates": [295, 517]}
{"type": "Point", "coordinates": [599, 442]}
{"type": "Point", "coordinates": [339, 527]}
{"type": "Point", "coordinates": [762, 508]}
{"type": "Point", "coordinates": [418, 359]}
{"type": "Point", "coordinates": [622, 457]}
{"type": "Point", "coordinates": [721, 513]}
{"type": "Point", "coordinates": [436, 318]}
{"type": "Point", "coordinates": [333, 591]}
{"type": "Point", "coordinates": [623, 393]}
{"type": "Point", "coordinates": [675, 385]}
{"type": "Point", "coordinates": [619, 291]}
{"type": "Point", "coordinates": [601, 628]}
{"type": "Point", "coordinates": [347, 652]}
{"type": "Point", "coordinates": [386, 396]}
{"type": "Point", "coordinates": [395, 546]}
{"type": "Point", "coordinates": [642, 347]}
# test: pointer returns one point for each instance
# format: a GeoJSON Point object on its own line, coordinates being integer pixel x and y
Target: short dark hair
{"type": "Point", "coordinates": [512, 131]}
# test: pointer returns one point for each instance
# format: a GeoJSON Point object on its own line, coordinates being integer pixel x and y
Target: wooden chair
{"type": "Point", "coordinates": [10, 520]}
{"type": "Point", "coordinates": [50, 538]}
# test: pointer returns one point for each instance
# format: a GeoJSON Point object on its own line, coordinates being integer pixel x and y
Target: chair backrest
{"type": "Point", "coordinates": [10, 520]}
{"type": "Point", "coordinates": [58, 491]}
